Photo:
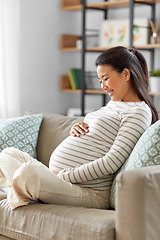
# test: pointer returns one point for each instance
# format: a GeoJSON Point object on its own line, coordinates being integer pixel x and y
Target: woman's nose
{"type": "Point", "coordinates": [103, 85]}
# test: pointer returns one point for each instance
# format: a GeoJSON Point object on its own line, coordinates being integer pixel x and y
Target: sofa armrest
{"type": "Point", "coordinates": [138, 204]}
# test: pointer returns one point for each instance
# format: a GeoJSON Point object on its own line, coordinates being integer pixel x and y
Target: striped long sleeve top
{"type": "Point", "coordinates": [91, 160]}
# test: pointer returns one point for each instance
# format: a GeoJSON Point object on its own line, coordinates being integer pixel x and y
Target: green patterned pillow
{"type": "Point", "coordinates": [145, 153]}
{"type": "Point", "coordinates": [21, 133]}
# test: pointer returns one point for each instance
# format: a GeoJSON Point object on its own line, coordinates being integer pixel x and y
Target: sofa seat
{"type": "Point", "coordinates": [47, 221]}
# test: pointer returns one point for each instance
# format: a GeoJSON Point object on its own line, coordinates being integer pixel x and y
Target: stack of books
{"type": "Point", "coordinates": [91, 79]}
{"type": "Point", "coordinates": [75, 78]}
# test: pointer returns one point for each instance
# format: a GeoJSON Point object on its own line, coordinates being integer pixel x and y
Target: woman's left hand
{"type": "Point", "coordinates": [79, 129]}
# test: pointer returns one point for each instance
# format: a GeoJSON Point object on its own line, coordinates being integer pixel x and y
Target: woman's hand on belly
{"type": "Point", "coordinates": [79, 129]}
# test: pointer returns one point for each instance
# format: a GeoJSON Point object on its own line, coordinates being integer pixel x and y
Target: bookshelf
{"type": "Point", "coordinates": [68, 42]}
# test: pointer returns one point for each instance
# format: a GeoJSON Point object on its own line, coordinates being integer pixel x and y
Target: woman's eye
{"type": "Point", "coordinates": [100, 81]}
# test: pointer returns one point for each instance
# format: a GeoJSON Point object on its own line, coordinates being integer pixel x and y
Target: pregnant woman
{"type": "Point", "coordinates": [82, 167]}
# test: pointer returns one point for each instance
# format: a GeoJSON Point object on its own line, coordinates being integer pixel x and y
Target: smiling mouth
{"type": "Point", "coordinates": [110, 92]}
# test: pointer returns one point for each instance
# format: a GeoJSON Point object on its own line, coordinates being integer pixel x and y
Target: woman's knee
{"type": "Point", "coordinates": [8, 150]}
{"type": "Point", "coordinates": [26, 183]}
{"type": "Point", "coordinates": [26, 172]}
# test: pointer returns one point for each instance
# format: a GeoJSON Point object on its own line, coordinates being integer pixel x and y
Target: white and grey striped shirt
{"type": "Point", "coordinates": [92, 160]}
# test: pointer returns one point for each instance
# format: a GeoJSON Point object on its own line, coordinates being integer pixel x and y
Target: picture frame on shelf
{"type": "Point", "coordinates": [116, 32]}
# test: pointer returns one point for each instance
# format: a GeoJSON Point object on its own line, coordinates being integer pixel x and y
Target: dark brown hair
{"type": "Point", "coordinates": [119, 58]}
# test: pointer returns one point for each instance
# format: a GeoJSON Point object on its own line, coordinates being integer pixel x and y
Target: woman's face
{"type": "Point", "coordinates": [117, 85]}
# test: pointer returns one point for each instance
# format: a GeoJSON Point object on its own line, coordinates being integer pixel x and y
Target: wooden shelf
{"type": "Point", "coordinates": [117, 4]}
{"type": "Point", "coordinates": [73, 5]}
{"type": "Point", "coordinates": [148, 46]}
{"type": "Point", "coordinates": [154, 94]}
{"type": "Point", "coordinates": [65, 86]}
{"type": "Point", "coordinates": [68, 43]}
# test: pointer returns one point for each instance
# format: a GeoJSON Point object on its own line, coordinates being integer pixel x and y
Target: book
{"type": "Point", "coordinates": [75, 78]}
{"type": "Point", "coordinates": [71, 79]}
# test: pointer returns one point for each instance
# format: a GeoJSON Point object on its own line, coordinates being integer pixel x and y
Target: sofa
{"type": "Point", "coordinates": [134, 215]}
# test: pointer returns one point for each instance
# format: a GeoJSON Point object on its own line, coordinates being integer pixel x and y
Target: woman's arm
{"type": "Point", "coordinates": [131, 128]}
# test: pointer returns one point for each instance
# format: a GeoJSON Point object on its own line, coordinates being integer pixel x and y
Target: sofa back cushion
{"type": "Point", "coordinates": [54, 129]}
{"type": "Point", "coordinates": [145, 153]}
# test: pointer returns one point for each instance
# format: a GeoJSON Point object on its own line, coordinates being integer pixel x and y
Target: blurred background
{"type": "Point", "coordinates": [31, 62]}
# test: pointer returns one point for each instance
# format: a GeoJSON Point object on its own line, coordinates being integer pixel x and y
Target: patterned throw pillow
{"type": "Point", "coordinates": [145, 153]}
{"type": "Point", "coordinates": [21, 133]}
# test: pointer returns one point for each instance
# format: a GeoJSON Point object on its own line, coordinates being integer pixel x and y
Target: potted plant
{"type": "Point", "coordinates": [155, 81]}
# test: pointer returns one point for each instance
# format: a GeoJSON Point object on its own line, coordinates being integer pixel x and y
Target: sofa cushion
{"type": "Point", "coordinates": [48, 221]}
{"type": "Point", "coordinates": [145, 153]}
{"type": "Point", "coordinates": [54, 129]}
{"type": "Point", "coordinates": [21, 133]}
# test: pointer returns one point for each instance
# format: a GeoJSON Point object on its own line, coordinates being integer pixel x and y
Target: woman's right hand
{"type": "Point", "coordinates": [79, 129]}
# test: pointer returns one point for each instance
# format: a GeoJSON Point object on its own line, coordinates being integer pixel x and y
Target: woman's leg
{"type": "Point", "coordinates": [34, 181]}
{"type": "Point", "coordinates": [10, 160]}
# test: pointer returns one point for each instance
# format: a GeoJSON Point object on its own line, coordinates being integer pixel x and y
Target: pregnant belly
{"type": "Point", "coordinates": [74, 151]}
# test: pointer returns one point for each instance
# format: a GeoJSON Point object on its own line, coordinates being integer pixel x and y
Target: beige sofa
{"type": "Point", "coordinates": [137, 214]}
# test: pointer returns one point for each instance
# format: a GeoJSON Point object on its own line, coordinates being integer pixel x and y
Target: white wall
{"type": "Point", "coordinates": [41, 61]}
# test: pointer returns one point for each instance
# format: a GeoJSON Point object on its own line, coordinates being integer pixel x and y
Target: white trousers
{"type": "Point", "coordinates": [30, 180]}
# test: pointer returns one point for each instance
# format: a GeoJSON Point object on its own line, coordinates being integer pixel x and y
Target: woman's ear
{"type": "Point", "coordinates": [126, 74]}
